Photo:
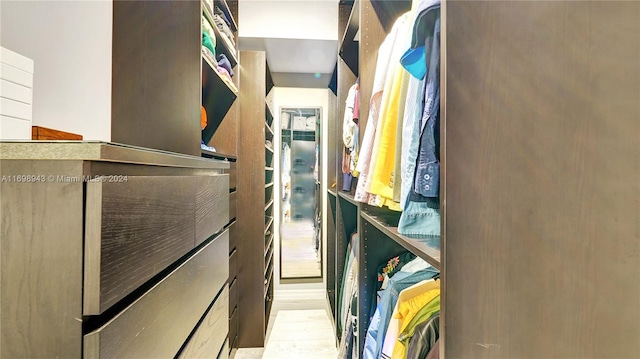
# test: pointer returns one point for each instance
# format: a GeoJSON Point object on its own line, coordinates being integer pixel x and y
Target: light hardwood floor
{"type": "Point", "coordinates": [299, 257]}
{"type": "Point", "coordinates": [299, 327]}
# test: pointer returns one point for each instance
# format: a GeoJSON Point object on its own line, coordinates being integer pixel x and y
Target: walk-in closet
{"type": "Point", "coordinates": [320, 179]}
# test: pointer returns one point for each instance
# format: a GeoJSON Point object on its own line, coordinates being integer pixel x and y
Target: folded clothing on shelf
{"type": "Point", "coordinates": [222, 26]}
{"type": "Point", "coordinates": [203, 117]}
{"type": "Point", "coordinates": [208, 43]}
{"type": "Point", "coordinates": [226, 78]}
{"type": "Point", "coordinates": [224, 62]}
{"type": "Point", "coordinates": [207, 148]}
{"type": "Point", "coordinates": [221, 13]}
{"type": "Point", "coordinates": [208, 28]}
{"type": "Point", "coordinates": [212, 59]}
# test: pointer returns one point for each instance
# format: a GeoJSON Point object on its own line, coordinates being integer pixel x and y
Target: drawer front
{"type": "Point", "coordinates": [212, 333]}
{"type": "Point", "coordinates": [233, 297]}
{"type": "Point", "coordinates": [212, 205]}
{"type": "Point", "coordinates": [159, 322]}
{"type": "Point", "coordinates": [232, 205]}
{"type": "Point", "coordinates": [15, 92]}
{"type": "Point", "coordinates": [13, 74]}
{"type": "Point", "coordinates": [14, 128]}
{"type": "Point", "coordinates": [224, 353]}
{"type": "Point", "coordinates": [233, 324]}
{"type": "Point", "coordinates": [233, 265]}
{"type": "Point", "coordinates": [134, 230]}
{"type": "Point", "coordinates": [15, 109]}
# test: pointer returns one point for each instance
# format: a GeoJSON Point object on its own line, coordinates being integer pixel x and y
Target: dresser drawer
{"type": "Point", "coordinates": [158, 323]}
{"type": "Point", "coordinates": [211, 334]}
{"type": "Point", "coordinates": [136, 226]}
{"type": "Point", "coordinates": [224, 353]}
{"type": "Point", "coordinates": [212, 205]}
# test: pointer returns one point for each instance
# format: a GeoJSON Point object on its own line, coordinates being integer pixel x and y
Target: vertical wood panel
{"type": "Point", "coordinates": [250, 199]}
{"type": "Point", "coordinates": [542, 125]}
{"type": "Point", "coordinates": [225, 139]}
{"type": "Point", "coordinates": [156, 75]}
{"type": "Point", "coordinates": [371, 36]}
{"type": "Point", "coordinates": [41, 262]}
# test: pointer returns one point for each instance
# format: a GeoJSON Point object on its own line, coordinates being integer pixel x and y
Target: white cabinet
{"type": "Point", "coordinates": [16, 95]}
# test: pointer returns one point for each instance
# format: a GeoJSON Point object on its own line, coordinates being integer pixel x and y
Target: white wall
{"type": "Point", "coordinates": [289, 19]}
{"type": "Point", "coordinates": [70, 43]}
{"type": "Point", "coordinates": [298, 97]}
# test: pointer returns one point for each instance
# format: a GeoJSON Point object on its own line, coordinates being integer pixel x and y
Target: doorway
{"type": "Point", "coordinates": [300, 228]}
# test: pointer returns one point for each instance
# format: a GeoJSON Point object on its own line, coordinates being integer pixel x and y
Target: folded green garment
{"type": "Point", "coordinates": [206, 41]}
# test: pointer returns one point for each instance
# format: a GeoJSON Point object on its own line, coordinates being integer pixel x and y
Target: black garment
{"type": "Point", "coordinates": [424, 338]}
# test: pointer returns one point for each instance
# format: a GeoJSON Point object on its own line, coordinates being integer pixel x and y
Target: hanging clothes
{"type": "Point", "coordinates": [380, 180]}
{"type": "Point", "coordinates": [348, 137]}
{"type": "Point", "coordinates": [366, 149]}
{"type": "Point", "coordinates": [421, 217]}
{"type": "Point", "coordinates": [409, 303]}
{"type": "Point", "coordinates": [413, 272]}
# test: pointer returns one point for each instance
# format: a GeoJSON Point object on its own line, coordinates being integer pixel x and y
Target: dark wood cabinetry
{"type": "Point", "coordinates": [116, 243]}
{"type": "Point", "coordinates": [255, 200]}
{"type": "Point", "coordinates": [538, 177]}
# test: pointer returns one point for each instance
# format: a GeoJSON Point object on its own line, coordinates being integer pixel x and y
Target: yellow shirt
{"type": "Point", "coordinates": [410, 301]}
{"type": "Point", "coordinates": [382, 180]}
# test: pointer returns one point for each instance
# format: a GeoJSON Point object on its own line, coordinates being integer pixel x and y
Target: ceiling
{"type": "Point", "coordinates": [300, 38]}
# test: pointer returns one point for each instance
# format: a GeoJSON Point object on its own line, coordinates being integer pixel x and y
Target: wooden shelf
{"type": "Point", "coordinates": [269, 243]}
{"type": "Point", "coordinates": [268, 205]}
{"type": "Point", "coordinates": [268, 130]}
{"type": "Point", "coordinates": [268, 185]}
{"type": "Point", "coordinates": [269, 114]}
{"type": "Point", "coordinates": [268, 279]}
{"type": "Point", "coordinates": [217, 98]}
{"type": "Point", "coordinates": [268, 225]}
{"type": "Point", "coordinates": [217, 155]}
{"type": "Point", "coordinates": [223, 46]}
{"type": "Point", "coordinates": [430, 252]}
{"type": "Point", "coordinates": [268, 263]}
{"type": "Point", "coordinates": [349, 198]}
{"type": "Point", "coordinates": [222, 4]}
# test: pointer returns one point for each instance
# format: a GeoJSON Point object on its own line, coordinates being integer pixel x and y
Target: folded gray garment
{"type": "Point", "coordinates": [222, 25]}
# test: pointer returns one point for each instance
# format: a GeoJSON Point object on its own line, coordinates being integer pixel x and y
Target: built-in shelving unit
{"type": "Point", "coordinates": [219, 100]}
{"type": "Point", "coordinates": [257, 250]}
{"type": "Point", "coordinates": [512, 219]}
{"type": "Point", "coordinates": [219, 92]}
{"type": "Point", "coordinates": [379, 239]}
{"type": "Point", "coordinates": [223, 45]}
